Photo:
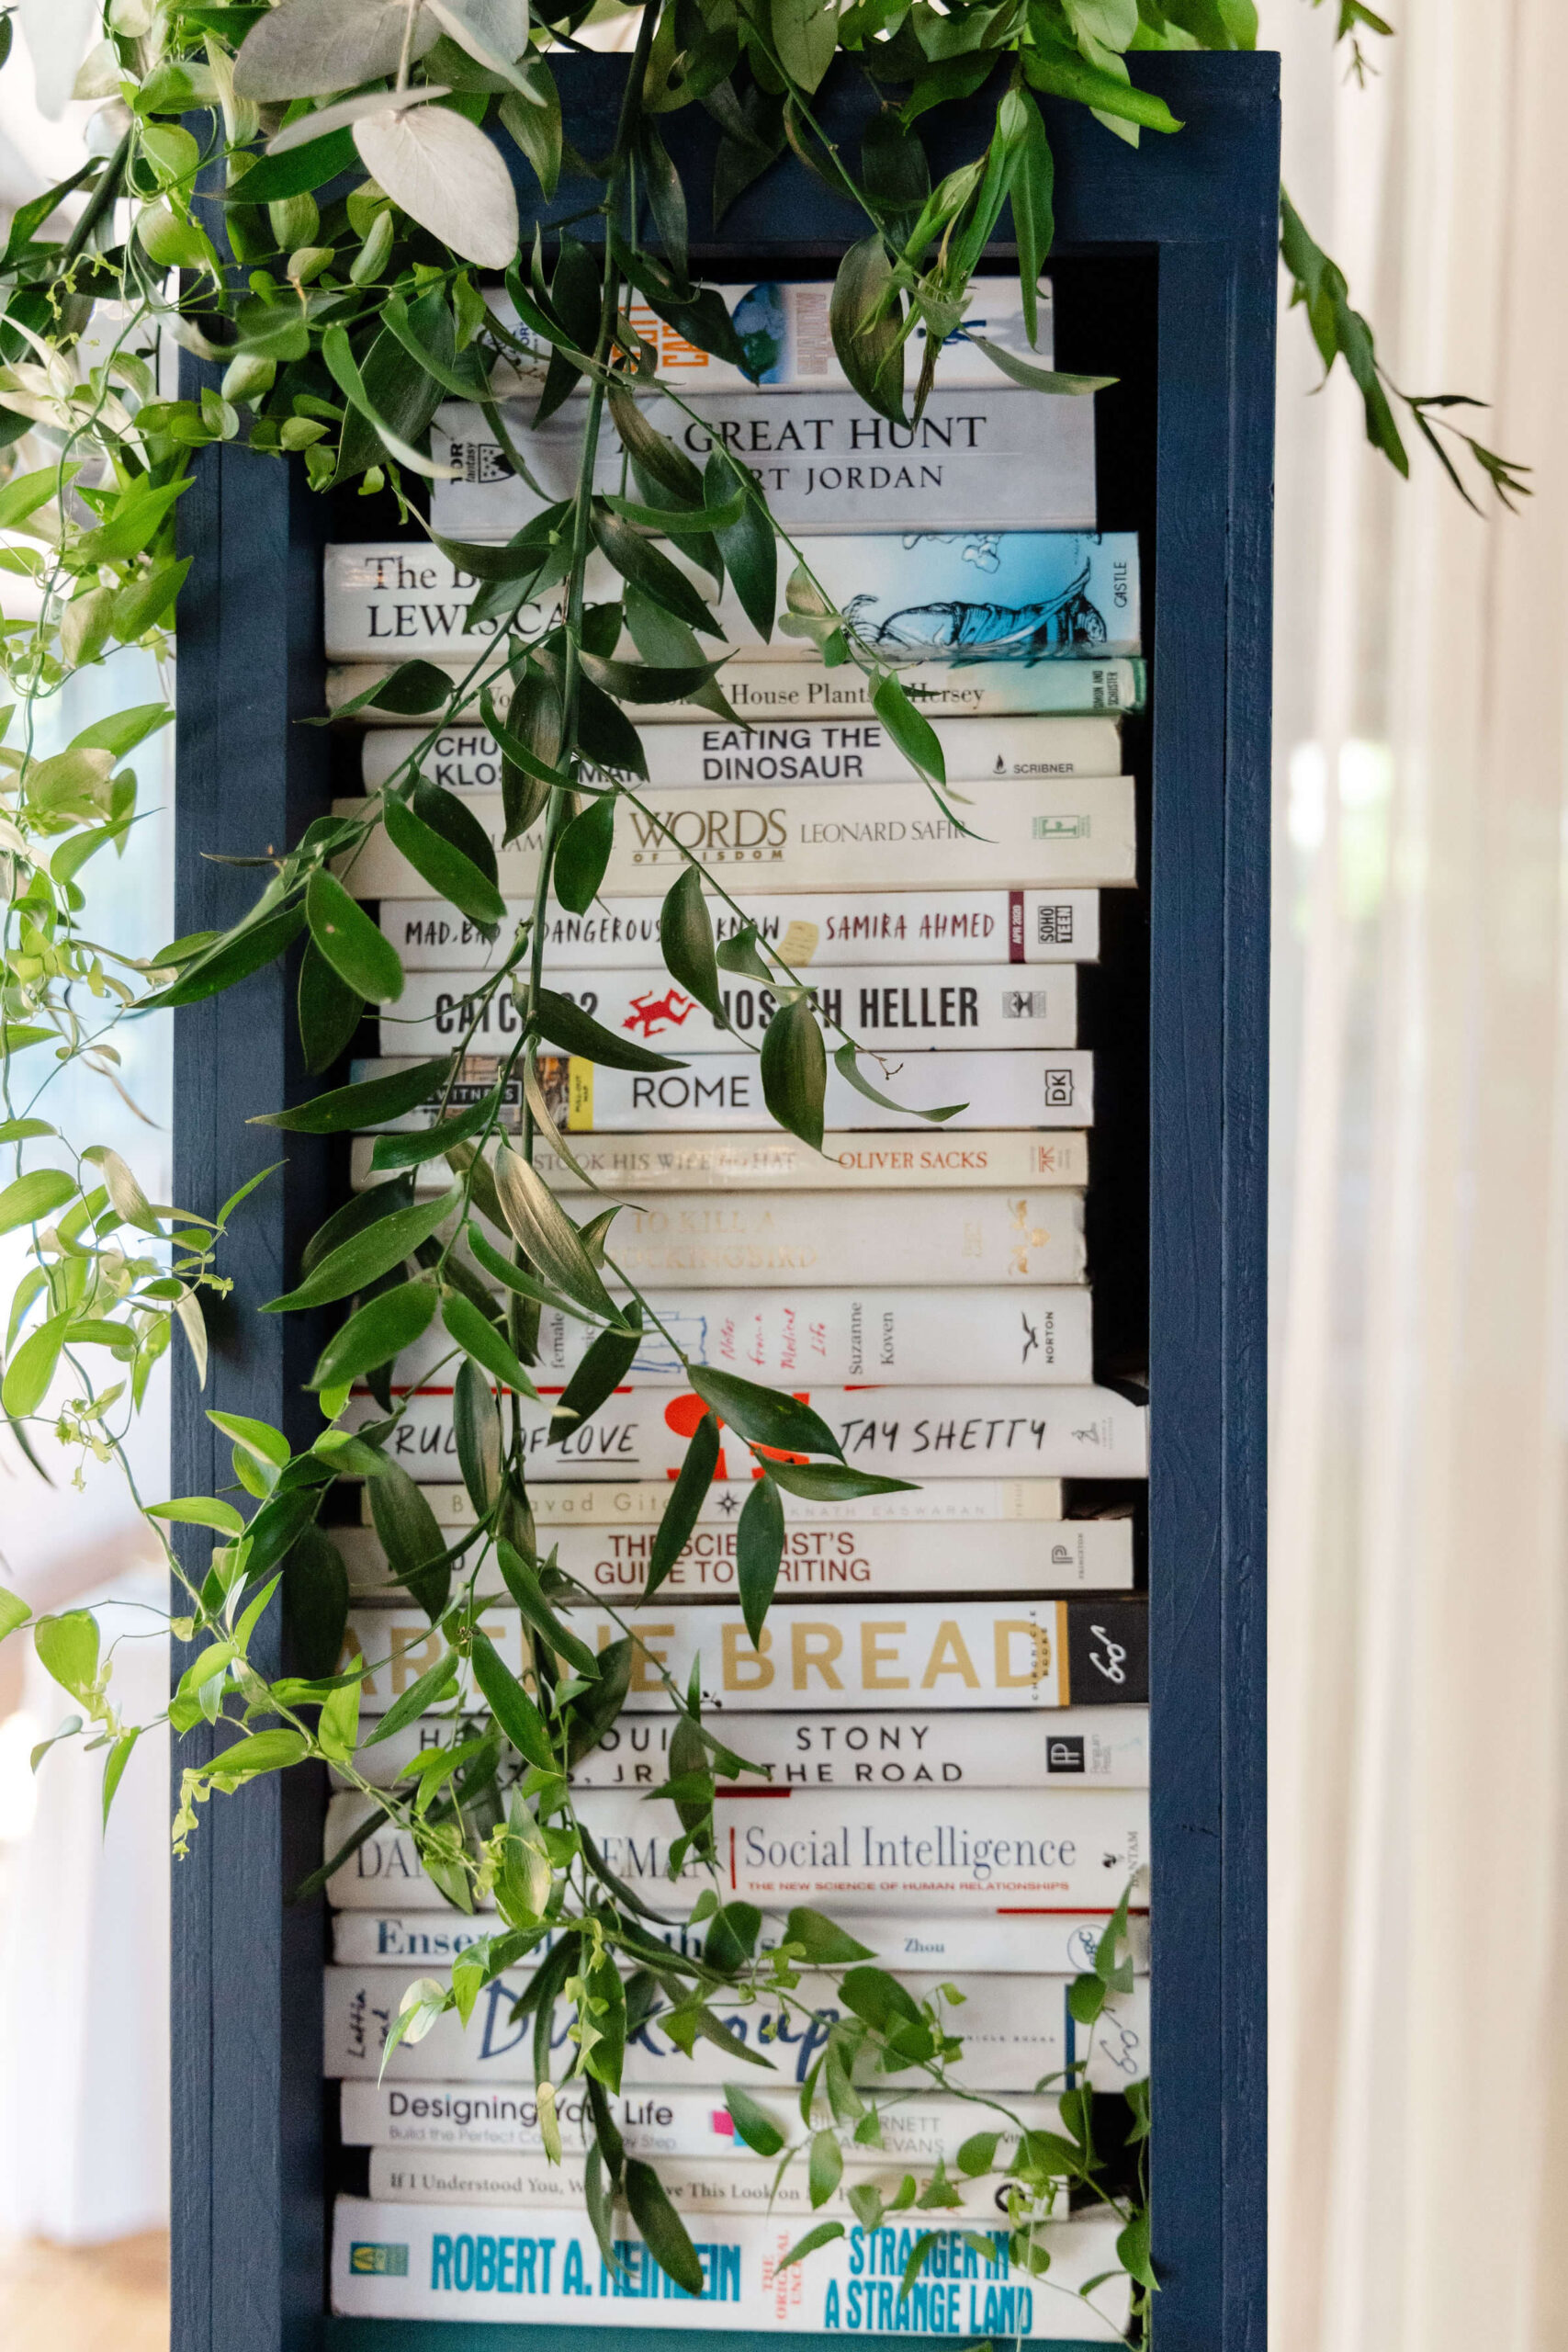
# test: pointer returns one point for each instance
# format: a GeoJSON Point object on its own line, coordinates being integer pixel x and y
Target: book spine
{"type": "Point", "coordinates": [848, 1655]}
{"type": "Point", "coordinates": [1035, 1337]}
{"type": "Point", "coordinates": [738, 1163]}
{"type": "Point", "coordinates": [802, 751]}
{"type": "Point", "coordinates": [1083, 687]}
{"type": "Point", "coordinates": [1078, 831]}
{"type": "Point", "coordinates": [1029, 596]}
{"type": "Point", "coordinates": [981, 1943]}
{"type": "Point", "coordinates": [445, 2262]}
{"type": "Point", "coordinates": [534, 2185]}
{"type": "Point", "coordinates": [894, 1432]}
{"type": "Point", "coordinates": [785, 333]}
{"type": "Point", "coordinates": [857, 1562]}
{"type": "Point", "coordinates": [1015, 2030]}
{"type": "Point", "coordinates": [904, 1009]}
{"type": "Point", "coordinates": [455, 2118]}
{"type": "Point", "coordinates": [641, 1503]}
{"type": "Point", "coordinates": [1011, 460]}
{"type": "Point", "coordinates": [1021, 1089]}
{"type": "Point", "coordinates": [875, 927]}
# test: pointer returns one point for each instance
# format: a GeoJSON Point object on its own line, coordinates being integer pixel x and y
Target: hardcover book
{"type": "Point", "coordinates": [780, 1163]}
{"type": "Point", "coordinates": [805, 751]}
{"type": "Point", "coordinates": [895, 1433]}
{"type": "Point", "coordinates": [865, 928]}
{"type": "Point", "coordinates": [1021, 1089]}
{"type": "Point", "coordinates": [904, 1008]}
{"type": "Point", "coordinates": [952, 595]}
{"type": "Point", "coordinates": [801, 687]}
{"type": "Point", "coordinates": [846, 1656]}
{"type": "Point", "coordinates": [1029, 832]}
{"type": "Point", "coordinates": [452, 2263]}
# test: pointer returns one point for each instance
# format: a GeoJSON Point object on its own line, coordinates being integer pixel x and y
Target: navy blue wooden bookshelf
{"type": "Point", "coordinates": [1164, 276]}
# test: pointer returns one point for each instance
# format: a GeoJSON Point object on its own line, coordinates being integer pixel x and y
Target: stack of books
{"type": "Point", "coordinates": [951, 1690]}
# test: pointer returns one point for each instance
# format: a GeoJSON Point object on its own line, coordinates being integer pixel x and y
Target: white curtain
{"type": "Point", "coordinates": [1419, 1651]}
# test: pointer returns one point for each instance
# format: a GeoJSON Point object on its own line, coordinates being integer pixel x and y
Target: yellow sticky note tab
{"type": "Point", "coordinates": [800, 943]}
{"type": "Point", "coordinates": [578, 1095]}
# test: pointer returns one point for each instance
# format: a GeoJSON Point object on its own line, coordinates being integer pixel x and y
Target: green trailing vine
{"type": "Point", "coordinates": [317, 200]}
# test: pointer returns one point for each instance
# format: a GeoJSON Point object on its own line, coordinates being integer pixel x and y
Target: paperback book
{"type": "Point", "coordinates": [778, 1163]}
{"type": "Point", "coordinates": [828, 1338]}
{"type": "Point", "coordinates": [445, 2262]}
{"type": "Point", "coordinates": [946, 596]}
{"type": "Point", "coordinates": [868, 928]}
{"type": "Point", "coordinates": [1029, 832]}
{"type": "Point", "coordinates": [1021, 1089]}
{"type": "Point", "coordinates": [903, 1007]}
{"type": "Point", "coordinates": [773, 1240]}
{"type": "Point", "coordinates": [1017, 2031]}
{"type": "Point", "coordinates": [894, 1432]}
{"type": "Point", "coordinates": [532, 2184]}
{"type": "Point", "coordinates": [850, 1656]}
{"type": "Point", "coordinates": [803, 750]}
{"type": "Point", "coordinates": [1006, 459]}
{"type": "Point", "coordinates": [849, 1560]}
{"type": "Point", "coordinates": [801, 687]}
{"type": "Point", "coordinates": [641, 1503]}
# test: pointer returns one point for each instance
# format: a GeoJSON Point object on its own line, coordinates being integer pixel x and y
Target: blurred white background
{"type": "Point", "coordinates": [1420, 2059]}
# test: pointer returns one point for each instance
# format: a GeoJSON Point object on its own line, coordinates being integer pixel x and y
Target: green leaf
{"type": "Point", "coordinates": [865, 318]}
{"type": "Point", "coordinates": [686, 1502]}
{"type": "Point", "coordinates": [530, 741]}
{"type": "Point", "coordinates": [475, 1423]}
{"type": "Point", "coordinates": [368, 1256]}
{"type": "Point", "coordinates": [237, 955]}
{"type": "Point", "coordinates": [410, 1537]}
{"type": "Point", "coordinates": [641, 682]}
{"type": "Point", "coordinates": [715, 515]}
{"type": "Point", "coordinates": [604, 1365]}
{"type": "Point", "coordinates": [565, 1024]}
{"type": "Point", "coordinates": [407, 1708]}
{"type": "Point", "coordinates": [265, 1751]}
{"type": "Point", "coordinates": [795, 1070]}
{"type": "Point", "coordinates": [518, 1717]}
{"type": "Point", "coordinates": [638, 560]}
{"type": "Point", "coordinates": [30, 1370]}
{"type": "Point", "coordinates": [400, 1151]}
{"type": "Point", "coordinates": [354, 946]}
{"type": "Point", "coordinates": [14, 1612]}
{"type": "Point", "coordinates": [758, 1548]}
{"type": "Point", "coordinates": [115, 1763]}
{"type": "Point", "coordinates": [663, 2231]}
{"type": "Point", "coordinates": [687, 941]}
{"type": "Point", "coordinates": [68, 1649]}
{"type": "Point", "coordinates": [411, 690]}
{"type": "Point", "coordinates": [748, 545]}
{"type": "Point", "coordinates": [329, 1011]}
{"type": "Point", "coordinates": [337, 1727]}
{"type": "Point", "coordinates": [35, 1195]}
{"type": "Point", "coordinates": [481, 1339]}
{"type": "Point", "coordinates": [376, 1334]}
{"type": "Point", "coordinates": [846, 1061]}
{"type": "Point", "coordinates": [582, 853]}
{"type": "Point", "coordinates": [199, 1510]}
{"type": "Point", "coordinates": [910, 729]}
{"type": "Point", "coordinates": [537, 125]}
{"type": "Point", "coordinates": [523, 1586]}
{"type": "Point", "coordinates": [315, 1601]}
{"type": "Point", "coordinates": [1063, 74]}
{"type": "Point", "coordinates": [919, 2255]}
{"type": "Point", "coordinates": [820, 2233]}
{"type": "Point", "coordinates": [825, 2166]}
{"type": "Point", "coordinates": [593, 1714]}
{"type": "Point", "coordinates": [827, 1482]}
{"type": "Point", "coordinates": [299, 171]}
{"type": "Point", "coordinates": [366, 1104]}
{"type": "Point", "coordinates": [123, 729]}
{"type": "Point", "coordinates": [752, 2122]}
{"type": "Point", "coordinates": [25, 1130]}
{"type": "Point", "coordinates": [806, 34]}
{"type": "Point", "coordinates": [1133, 2252]}
{"type": "Point", "coordinates": [338, 354]}
{"type": "Point", "coordinates": [547, 1235]}
{"type": "Point", "coordinates": [1086, 1999]}
{"type": "Point", "coordinates": [451, 873]}
{"type": "Point", "coordinates": [823, 1942]}
{"type": "Point", "coordinates": [762, 1416]}
{"type": "Point", "coordinates": [978, 2155]}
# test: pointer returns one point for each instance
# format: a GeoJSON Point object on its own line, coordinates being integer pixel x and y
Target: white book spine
{"type": "Point", "coordinates": [1000, 1090]}
{"type": "Point", "coordinates": [450, 2263]}
{"type": "Point", "coordinates": [959, 1849]}
{"type": "Point", "coordinates": [785, 330]}
{"type": "Point", "coordinates": [737, 1163]}
{"type": "Point", "coordinates": [894, 1432]}
{"type": "Point", "coordinates": [723, 2185]}
{"type": "Point", "coordinates": [1004, 459]}
{"type": "Point", "coordinates": [904, 1008]}
{"type": "Point", "coordinates": [1015, 2030]}
{"type": "Point", "coordinates": [642, 1504]}
{"type": "Point", "coordinates": [978, 1943]}
{"type": "Point", "coordinates": [849, 1561]}
{"type": "Point", "coordinates": [1027, 595]}
{"type": "Point", "coordinates": [456, 2119]}
{"type": "Point", "coordinates": [1074, 830]}
{"type": "Point", "coordinates": [845, 1656]}
{"type": "Point", "coordinates": [797, 688]}
{"type": "Point", "coordinates": [802, 751]}
{"type": "Point", "coordinates": [1038, 1335]}
{"type": "Point", "coordinates": [876, 927]}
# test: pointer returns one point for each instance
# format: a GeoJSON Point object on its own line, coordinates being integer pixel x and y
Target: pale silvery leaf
{"type": "Point", "coordinates": [494, 32]}
{"type": "Point", "coordinates": [190, 1312]}
{"type": "Point", "coordinates": [330, 119]}
{"type": "Point", "coordinates": [303, 49]}
{"type": "Point", "coordinates": [100, 73]}
{"type": "Point", "coordinates": [446, 175]}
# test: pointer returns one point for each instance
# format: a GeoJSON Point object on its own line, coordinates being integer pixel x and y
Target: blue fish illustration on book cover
{"type": "Point", "coordinates": [962, 597]}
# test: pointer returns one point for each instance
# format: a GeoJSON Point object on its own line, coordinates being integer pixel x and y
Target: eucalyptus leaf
{"type": "Point", "coordinates": [446, 175]}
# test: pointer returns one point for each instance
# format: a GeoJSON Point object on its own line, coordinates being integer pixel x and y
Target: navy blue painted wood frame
{"type": "Point", "coordinates": [248, 2214]}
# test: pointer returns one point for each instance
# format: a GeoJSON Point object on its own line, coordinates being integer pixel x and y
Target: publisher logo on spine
{"type": "Point", "coordinates": [367, 2260]}
{"type": "Point", "coordinates": [1064, 1755]}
